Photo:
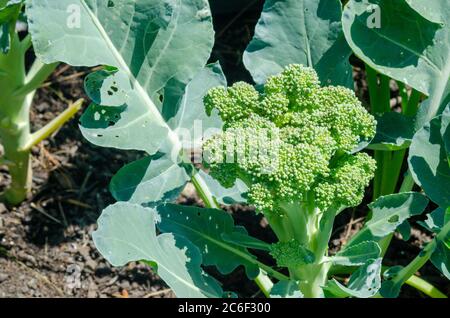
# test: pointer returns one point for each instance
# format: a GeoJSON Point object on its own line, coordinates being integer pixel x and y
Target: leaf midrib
{"type": "Point", "coordinates": [125, 68]}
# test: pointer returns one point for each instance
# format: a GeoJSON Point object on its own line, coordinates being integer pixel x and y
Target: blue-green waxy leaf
{"type": "Point", "coordinates": [357, 254]}
{"type": "Point", "coordinates": [242, 239]}
{"type": "Point", "coordinates": [428, 162]}
{"type": "Point", "coordinates": [417, 55]}
{"type": "Point", "coordinates": [389, 212]}
{"type": "Point", "coordinates": [126, 232]}
{"type": "Point", "coordinates": [191, 119]}
{"type": "Point", "coordinates": [394, 132]}
{"type": "Point", "coordinates": [223, 195]}
{"type": "Point", "coordinates": [124, 127]}
{"type": "Point", "coordinates": [204, 227]}
{"type": "Point", "coordinates": [441, 257]}
{"type": "Point", "coordinates": [435, 220]}
{"type": "Point", "coordinates": [304, 32]}
{"type": "Point", "coordinates": [364, 282]}
{"type": "Point", "coordinates": [151, 180]}
{"type": "Point", "coordinates": [286, 289]}
{"type": "Point", "coordinates": [405, 230]}
{"type": "Point", "coordinates": [150, 42]}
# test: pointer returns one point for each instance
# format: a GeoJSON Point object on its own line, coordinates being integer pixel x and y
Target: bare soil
{"type": "Point", "coordinates": [46, 248]}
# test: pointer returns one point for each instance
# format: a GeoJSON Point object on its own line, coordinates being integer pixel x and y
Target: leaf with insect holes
{"type": "Point", "coordinates": [150, 42]}
{"type": "Point", "coordinates": [127, 233]}
{"type": "Point", "coordinates": [364, 282]}
{"type": "Point", "coordinates": [389, 212]}
{"type": "Point", "coordinates": [300, 32]}
{"type": "Point", "coordinates": [154, 179]}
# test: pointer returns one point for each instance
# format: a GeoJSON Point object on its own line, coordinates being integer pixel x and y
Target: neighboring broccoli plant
{"type": "Point", "coordinates": [304, 177]}
{"type": "Point", "coordinates": [17, 88]}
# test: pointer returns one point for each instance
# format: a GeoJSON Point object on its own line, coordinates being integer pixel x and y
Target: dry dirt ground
{"type": "Point", "coordinates": [45, 243]}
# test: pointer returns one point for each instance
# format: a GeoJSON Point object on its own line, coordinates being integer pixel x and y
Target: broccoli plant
{"type": "Point", "coordinates": [417, 60]}
{"type": "Point", "coordinates": [313, 176]}
{"type": "Point", "coordinates": [17, 88]}
{"type": "Point", "coordinates": [290, 146]}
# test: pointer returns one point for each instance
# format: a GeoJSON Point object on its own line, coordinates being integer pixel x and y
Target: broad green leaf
{"type": "Point", "coordinates": [364, 282]}
{"type": "Point", "coordinates": [9, 10]}
{"type": "Point", "coordinates": [151, 180]}
{"type": "Point", "coordinates": [286, 289]}
{"type": "Point", "coordinates": [223, 195]}
{"type": "Point", "coordinates": [148, 41]}
{"type": "Point", "coordinates": [428, 162]}
{"type": "Point", "coordinates": [191, 119]}
{"type": "Point", "coordinates": [389, 289]}
{"type": "Point", "coordinates": [394, 132]}
{"type": "Point", "coordinates": [304, 32]}
{"type": "Point", "coordinates": [126, 233]}
{"type": "Point", "coordinates": [417, 55]}
{"type": "Point", "coordinates": [389, 212]}
{"type": "Point", "coordinates": [242, 239]}
{"type": "Point", "coordinates": [391, 272]}
{"type": "Point", "coordinates": [204, 227]}
{"type": "Point", "coordinates": [435, 220]}
{"type": "Point", "coordinates": [357, 254]}
{"type": "Point", "coordinates": [405, 230]}
{"type": "Point", "coordinates": [441, 258]}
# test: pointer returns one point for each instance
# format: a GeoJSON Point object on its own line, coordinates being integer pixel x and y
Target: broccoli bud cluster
{"type": "Point", "coordinates": [306, 148]}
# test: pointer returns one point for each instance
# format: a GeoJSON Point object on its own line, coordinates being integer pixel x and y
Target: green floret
{"type": "Point", "coordinates": [261, 197]}
{"type": "Point", "coordinates": [347, 181]}
{"type": "Point", "coordinates": [234, 103]}
{"type": "Point", "coordinates": [291, 143]}
{"type": "Point", "coordinates": [291, 254]}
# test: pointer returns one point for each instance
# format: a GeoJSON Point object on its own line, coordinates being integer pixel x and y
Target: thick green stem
{"type": "Point", "coordinates": [312, 277]}
{"type": "Point", "coordinates": [14, 121]}
{"type": "Point", "coordinates": [16, 96]}
{"type": "Point", "coordinates": [392, 166]}
{"type": "Point", "coordinates": [379, 93]}
{"type": "Point", "coordinates": [312, 229]}
{"type": "Point", "coordinates": [408, 183]}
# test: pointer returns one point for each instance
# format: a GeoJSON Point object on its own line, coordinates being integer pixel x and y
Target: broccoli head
{"type": "Point", "coordinates": [291, 142]}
